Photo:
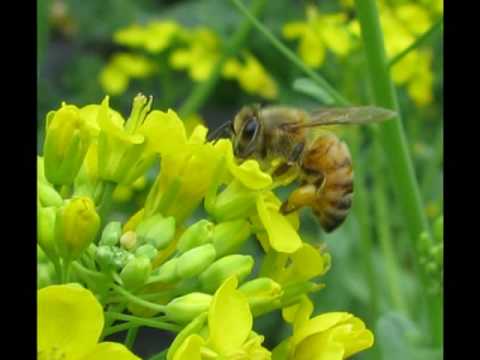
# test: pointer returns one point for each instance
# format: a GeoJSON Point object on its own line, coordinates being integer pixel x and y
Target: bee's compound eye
{"type": "Point", "coordinates": [250, 128]}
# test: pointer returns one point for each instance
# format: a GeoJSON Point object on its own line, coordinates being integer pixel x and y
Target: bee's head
{"type": "Point", "coordinates": [247, 130]}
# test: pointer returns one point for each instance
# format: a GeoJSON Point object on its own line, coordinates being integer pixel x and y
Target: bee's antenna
{"type": "Point", "coordinates": [218, 131]}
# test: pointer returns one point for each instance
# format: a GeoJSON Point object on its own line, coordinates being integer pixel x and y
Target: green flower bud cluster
{"type": "Point", "coordinates": [431, 256]}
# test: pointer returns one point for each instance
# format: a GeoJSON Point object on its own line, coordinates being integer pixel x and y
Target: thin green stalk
{"type": "Point", "coordinates": [433, 166]}
{"type": "Point", "coordinates": [117, 328]}
{"type": "Point", "coordinates": [138, 321]}
{"type": "Point", "coordinates": [361, 210]}
{"type": "Point", "coordinates": [201, 93]}
{"type": "Point", "coordinates": [138, 300]}
{"type": "Point", "coordinates": [131, 336]}
{"type": "Point", "coordinates": [427, 35]}
{"type": "Point", "coordinates": [160, 356]}
{"type": "Point", "coordinates": [383, 225]}
{"type": "Point", "coordinates": [336, 96]}
{"type": "Point", "coordinates": [392, 136]}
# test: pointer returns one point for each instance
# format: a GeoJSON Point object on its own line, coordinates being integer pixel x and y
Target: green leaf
{"type": "Point", "coordinates": [310, 88]}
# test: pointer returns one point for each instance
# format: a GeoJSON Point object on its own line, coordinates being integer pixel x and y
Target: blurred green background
{"type": "Point", "coordinates": [87, 49]}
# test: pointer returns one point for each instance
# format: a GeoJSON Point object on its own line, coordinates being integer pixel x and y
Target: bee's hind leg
{"type": "Point", "coordinates": [300, 197]}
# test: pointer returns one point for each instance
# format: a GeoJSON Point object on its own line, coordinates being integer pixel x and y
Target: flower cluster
{"type": "Point", "coordinates": [179, 261]}
{"type": "Point", "coordinates": [402, 23]}
{"type": "Point", "coordinates": [195, 50]}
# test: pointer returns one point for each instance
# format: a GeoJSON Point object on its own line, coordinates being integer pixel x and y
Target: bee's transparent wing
{"type": "Point", "coordinates": [346, 115]}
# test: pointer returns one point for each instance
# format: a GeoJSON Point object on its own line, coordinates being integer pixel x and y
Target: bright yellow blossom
{"type": "Point", "coordinates": [317, 34]}
{"type": "Point", "coordinates": [70, 321]}
{"type": "Point", "coordinates": [230, 334]}
{"type": "Point", "coordinates": [330, 336]}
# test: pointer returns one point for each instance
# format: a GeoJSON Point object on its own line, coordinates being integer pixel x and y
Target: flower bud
{"type": "Point", "coordinates": [146, 250]}
{"type": "Point", "coordinates": [184, 309]}
{"type": "Point", "coordinates": [194, 261]}
{"type": "Point", "coordinates": [238, 265]}
{"type": "Point", "coordinates": [48, 195]}
{"type": "Point", "coordinates": [166, 273]}
{"type": "Point", "coordinates": [136, 272]}
{"type": "Point", "coordinates": [157, 231]}
{"type": "Point", "coordinates": [197, 234]}
{"type": "Point", "coordinates": [229, 236]}
{"type": "Point", "coordinates": [45, 275]}
{"type": "Point", "coordinates": [77, 224]}
{"type": "Point", "coordinates": [261, 293]}
{"type": "Point", "coordinates": [129, 240]}
{"type": "Point", "coordinates": [235, 202]}
{"type": "Point", "coordinates": [66, 143]}
{"type": "Point", "coordinates": [112, 258]}
{"type": "Point", "coordinates": [111, 233]}
{"type": "Point", "coordinates": [46, 231]}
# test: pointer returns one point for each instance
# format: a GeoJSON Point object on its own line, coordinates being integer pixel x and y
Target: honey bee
{"type": "Point", "coordinates": [323, 164]}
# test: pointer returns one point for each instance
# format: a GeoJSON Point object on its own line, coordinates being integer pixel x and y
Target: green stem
{"type": "Point", "coordinates": [131, 336]}
{"type": "Point", "coordinates": [117, 328]}
{"type": "Point", "coordinates": [138, 321]}
{"type": "Point", "coordinates": [337, 97]}
{"type": "Point", "coordinates": [392, 135]}
{"type": "Point", "coordinates": [384, 234]}
{"type": "Point", "coordinates": [106, 202]}
{"type": "Point", "coordinates": [160, 356]}
{"type": "Point", "coordinates": [201, 93]}
{"type": "Point", "coordinates": [362, 210]}
{"type": "Point", "coordinates": [437, 26]}
{"type": "Point", "coordinates": [137, 300]}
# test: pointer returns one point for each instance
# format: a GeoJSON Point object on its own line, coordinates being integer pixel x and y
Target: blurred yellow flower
{"type": "Point", "coordinates": [122, 67]}
{"type": "Point", "coordinates": [330, 336]}
{"type": "Point", "coordinates": [70, 321]}
{"type": "Point", "coordinates": [317, 34]}
{"type": "Point", "coordinates": [154, 37]}
{"type": "Point", "coordinates": [200, 54]}
{"type": "Point", "coordinates": [252, 77]}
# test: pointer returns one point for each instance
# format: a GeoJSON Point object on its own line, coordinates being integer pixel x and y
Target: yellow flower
{"type": "Point", "coordinates": [199, 56]}
{"type": "Point", "coordinates": [252, 77]}
{"type": "Point", "coordinates": [70, 321]}
{"type": "Point", "coordinates": [330, 336]}
{"type": "Point", "coordinates": [230, 334]}
{"type": "Point", "coordinates": [317, 34]}
{"type": "Point", "coordinates": [116, 75]}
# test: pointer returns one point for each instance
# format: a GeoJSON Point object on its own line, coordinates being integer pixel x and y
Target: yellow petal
{"type": "Point", "coordinates": [113, 80]}
{"type": "Point", "coordinates": [69, 318]}
{"type": "Point", "coordinates": [110, 351]}
{"type": "Point", "coordinates": [190, 348]}
{"type": "Point", "coordinates": [165, 132]}
{"type": "Point", "coordinates": [229, 319]}
{"type": "Point", "coordinates": [299, 313]}
{"type": "Point", "coordinates": [319, 347]}
{"type": "Point", "coordinates": [281, 234]}
{"type": "Point", "coordinates": [311, 49]}
{"type": "Point", "coordinates": [319, 324]}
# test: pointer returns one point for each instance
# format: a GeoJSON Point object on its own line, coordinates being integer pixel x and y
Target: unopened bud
{"type": "Point", "coordinates": [111, 234]}
{"type": "Point", "coordinates": [136, 272]}
{"type": "Point", "coordinates": [66, 144]}
{"type": "Point", "coordinates": [197, 234]}
{"type": "Point", "coordinates": [146, 250]}
{"type": "Point", "coordinates": [48, 195]}
{"type": "Point", "coordinates": [166, 273]}
{"type": "Point", "coordinates": [229, 236]}
{"type": "Point", "coordinates": [220, 270]}
{"type": "Point", "coordinates": [194, 261]}
{"type": "Point", "coordinates": [157, 231]}
{"type": "Point", "coordinates": [129, 240]}
{"type": "Point", "coordinates": [261, 293]}
{"type": "Point", "coordinates": [112, 258]}
{"type": "Point", "coordinates": [184, 309]}
{"type": "Point", "coordinates": [77, 224]}
{"type": "Point", "coordinates": [46, 231]}
{"type": "Point", "coordinates": [234, 202]}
